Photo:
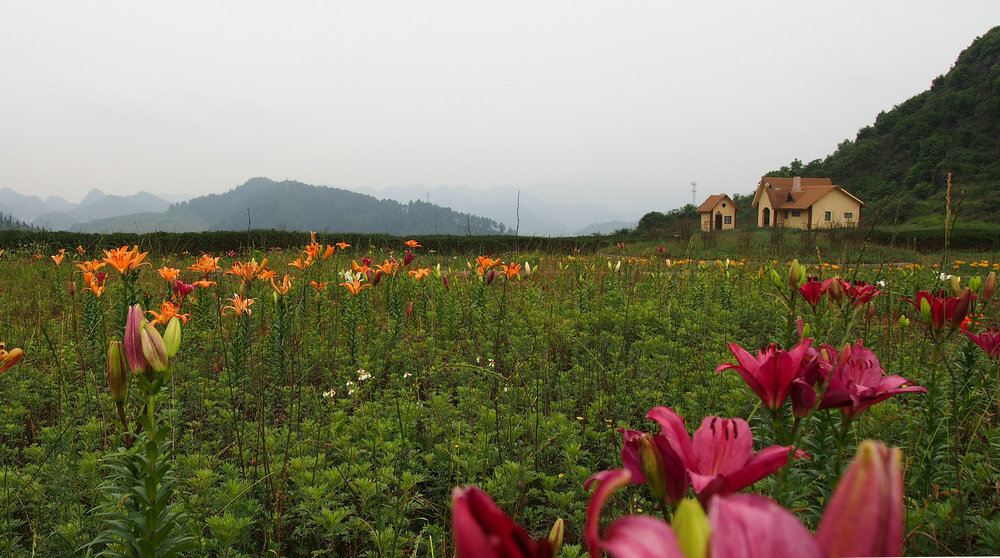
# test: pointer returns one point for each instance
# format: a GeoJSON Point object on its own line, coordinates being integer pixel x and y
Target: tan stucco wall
{"type": "Point", "coordinates": [838, 204]}
{"type": "Point", "coordinates": [708, 219]}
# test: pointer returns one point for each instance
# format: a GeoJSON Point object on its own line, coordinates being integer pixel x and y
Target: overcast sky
{"type": "Point", "coordinates": [622, 102]}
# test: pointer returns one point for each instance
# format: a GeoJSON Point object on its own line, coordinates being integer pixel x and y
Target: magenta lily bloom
{"type": "Point", "coordinates": [483, 530]}
{"type": "Point", "coordinates": [865, 513]}
{"type": "Point", "coordinates": [720, 457]}
{"type": "Point", "coordinates": [988, 341]}
{"type": "Point", "coordinates": [812, 290]}
{"type": "Point", "coordinates": [771, 374]}
{"type": "Point", "coordinates": [860, 292]}
{"type": "Point", "coordinates": [750, 526]}
{"type": "Point", "coordinates": [857, 382]}
{"type": "Point", "coordinates": [632, 536]}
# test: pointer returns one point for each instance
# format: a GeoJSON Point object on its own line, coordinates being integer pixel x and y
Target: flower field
{"type": "Point", "coordinates": [343, 400]}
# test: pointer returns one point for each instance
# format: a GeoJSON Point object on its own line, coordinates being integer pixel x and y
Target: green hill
{"type": "Point", "coordinates": [262, 203]}
{"type": "Point", "coordinates": [906, 155]}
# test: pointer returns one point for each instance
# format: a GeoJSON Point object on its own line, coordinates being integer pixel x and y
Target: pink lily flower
{"type": "Point", "coordinates": [483, 530]}
{"type": "Point", "coordinates": [720, 457]}
{"type": "Point", "coordinates": [988, 341]}
{"type": "Point", "coordinates": [133, 340]}
{"type": "Point", "coordinates": [812, 290]}
{"type": "Point", "coordinates": [632, 536]}
{"type": "Point", "coordinates": [857, 382]}
{"type": "Point", "coordinates": [669, 480]}
{"type": "Point", "coordinates": [860, 292]}
{"type": "Point", "coordinates": [771, 374]}
{"type": "Point", "coordinates": [752, 526]}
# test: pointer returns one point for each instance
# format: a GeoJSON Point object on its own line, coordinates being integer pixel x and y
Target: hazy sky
{"type": "Point", "coordinates": [623, 102]}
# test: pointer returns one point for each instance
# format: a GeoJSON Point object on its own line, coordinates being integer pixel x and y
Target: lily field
{"type": "Point", "coordinates": [394, 400]}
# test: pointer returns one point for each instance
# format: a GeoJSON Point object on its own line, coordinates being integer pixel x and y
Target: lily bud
{"type": "Point", "coordinates": [961, 309]}
{"type": "Point", "coordinates": [153, 348]}
{"type": "Point", "coordinates": [172, 336]}
{"type": "Point", "coordinates": [904, 321]}
{"type": "Point", "coordinates": [865, 513]}
{"type": "Point", "coordinates": [133, 340]}
{"type": "Point", "coordinates": [117, 372]}
{"type": "Point", "coordinates": [989, 286]}
{"type": "Point", "coordinates": [692, 528]}
{"type": "Point", "coordinates": [775, 278]}
{"type": "Point", "coordinates": [796, 275]}
{"type": "Point", "coordinates": [955, 282]}
{"type": "Point", "coordinates": [652, 467]}
{"type": "Point", "coordinates": [925, 310]}
{"type": "Point", "coordinates": [10, 358]}
{"type": "Point", "coordinates": [556, 537]}
{"type": "Point", "coordinates": [407, 258]}
{"type": "Point", "coordinates": [835, 289]}
{"type": "Point", "coordinates": [975, 283]}
{"type": "Point", "coordinates": [493, 274]}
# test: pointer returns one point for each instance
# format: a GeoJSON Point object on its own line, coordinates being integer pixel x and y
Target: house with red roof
{"type": "Point", "coordinates": [805, 203]}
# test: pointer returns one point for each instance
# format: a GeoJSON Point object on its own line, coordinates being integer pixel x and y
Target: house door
{"type": "Point", "coordinates": [766, 221]}
{"type": "Point", "coordinates": [718, 221]}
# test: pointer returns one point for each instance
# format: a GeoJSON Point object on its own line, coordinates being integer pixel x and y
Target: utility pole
{"type": "Point", "coordinates": [694, 192]}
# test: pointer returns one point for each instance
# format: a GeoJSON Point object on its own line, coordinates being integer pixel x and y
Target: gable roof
{"type": "Point", "coordinates": [713, 200]}
{"type": "Point", "coordinates": [781, 196]}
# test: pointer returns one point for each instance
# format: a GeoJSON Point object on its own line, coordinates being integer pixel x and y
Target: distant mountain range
{"type": "Point", "coordinates": [262, 203]}
{"type": "Point", "coordinates": [290, 205]}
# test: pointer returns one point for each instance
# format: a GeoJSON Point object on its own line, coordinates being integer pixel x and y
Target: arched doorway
{"type": "Point", "coordinates": [718, 221]}
{"type": "Point", "coordinates": [766, 220]}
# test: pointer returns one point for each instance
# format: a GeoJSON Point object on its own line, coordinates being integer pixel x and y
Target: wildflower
{"type": "Point", "coordinates": [80, 250]}
{"type": "Point", "coordinates": [247, 271]}
{"type": "Point", "coordinates": [241, 305]}
{"type": "Point", "coordinates": [857, 382]}
{"type": "Point", "coordinates": [58, 258]}
{"type": "Point", "coordinates": [328, 252]}
{"type": "Point", "coordinates": [94, 282]}
{"type": "Point", "coordinates": [485, 264]}
{"type": "Point", "coordinates": [511, 270]}
{"type": "Point", "coordinates": [125, 260]}
{"type": "Point", "coordinates": [772, 373]}
{"type": "Point", "coordinates": [343, 245]}
{"type": "Point", "coordinates": [719, 457]}
{"type": "Point", "coordinates": [204, 283]}
{"type": "Point", "coordinates": [420, 273]}
{"type": "Point", "coordinates": [170, 274]}
{"type": "Point", "coordinates": [329, 393]}
{"type": "Point", "coordinates": [9, 358]}
{"type": "Point", "coordinates": [167, 310]}
{"type": "Point", "coordinates": [936, 311]}
{"type": "Point", "coordinates": [363, 268]}
{"type": "Point", "coordinates": [205, 265]}
{"type": "Point", "coordinates": [988, 341]}
{"type": "Point", "coordinates": [812, 290]}
{"type": "Point", "coordinates": [407, 258]}
{"type": "Point", "coordinates": [491, 363]}
{"type": "Point", "coordinates": [312, 251]}
{"type": "Point", "coordinates": [629, 536]}
{"type": "Point", "coordinates": [363, 375]}
{"type": "Point", "coordinates": [483, 530]}
{"type": "Point", "coordinates": [91, 265]}
{"type": "Point", "coordinates": [389, 267]}
{"type": "Point", "coordinates": [652, 461]}
{"type": "Point", "coordinates": [406, 374]}
{"type": "Point", "coordinates": [412, 244]}
{"type": "Point", "coordinates": [182, 289]}
{"type": "Point", "coordinates": [355, 286]}
{"type": "Point", "coordinates": [350, 387]}
{"type": "Point", "coordinates": [860, 292]}
{"type": "Point", "coordinates": [286, 285]}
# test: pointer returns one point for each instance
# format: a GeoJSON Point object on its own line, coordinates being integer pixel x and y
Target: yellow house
{"type": "Point", "coordinates": [805, 203]}
{"type": "Point", "coordinates": [718, 213]}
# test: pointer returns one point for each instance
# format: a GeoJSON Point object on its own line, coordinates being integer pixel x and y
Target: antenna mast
{"type": "Point", "coordinates": [694, 192]}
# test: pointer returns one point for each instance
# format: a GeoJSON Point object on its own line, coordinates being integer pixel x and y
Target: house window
{"type": "Point", "coordinates": [848, 215]}
{"type": "Point", "coordinates": [728, 219]}
{"type": "Point", "coordinates": [796, 213]}
{"type": "Point", "coordinates": [786, 214]}
{"type": "Point", "coordinates": [828, 216]}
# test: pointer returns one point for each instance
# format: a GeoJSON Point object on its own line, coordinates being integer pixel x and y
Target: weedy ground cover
{"type": "Point", "coordinates": [326, 401]}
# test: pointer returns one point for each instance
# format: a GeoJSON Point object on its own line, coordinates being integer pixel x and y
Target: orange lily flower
{"type": "Point", "coordinates": [58, 258]}
{"type": "Point", "coordinates": [80, 250]}
{"type": "Point", "coordinates": [343, 245]}
{"type": "Point", "coordinates": [355, 286]}
{"type": "Point", "coordinates": [300, 263]}
{"type": "Point", "coordinates": [412, 244]}
{"type": "Point", "coordinates": [168, 310]}
{"type": "Point", "coordinates": [247, 271]}
{"type": "Point", "coordinates": [169, 273]}
{"type": "Point", "coordinates": [241, 305]}
{"type": "Point", "coordinates": [388, 267]}
{"type": "Point", "coordinates": [94, 283]}
{"type": "Point", "coordinates": [485, 264]}
{"type": "Point", "coordinates": [312, 237]}
{"type": "Point", "coordinates": [319, 286]}
{"type": "Point", "coordinates": [358, 268]}
{"type": "Point", "coordinates": [204, 283]}
{"type": "Point", "coordinates": [205, 264]}
{"type": "Point", "coordinates": [511, 270]}
{"type": "Point", "coordinates": [9, 358]}
{"type": "Point", "coordinates": [312, 251]}
{"type": "Point", "coordinates": [125, 260]}
{"type": "Point", "coordinates": [328, 252]}
{"type": "Point", "coordinates": [39, 256]}
{"type": "Point", "coordinates": [420, 273]}
{"type": "Point", "coordinates": [286, 285]}
{"type": "Point", "coordinates": [91, 265]}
